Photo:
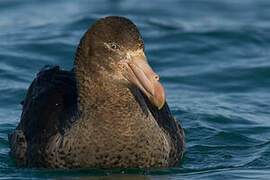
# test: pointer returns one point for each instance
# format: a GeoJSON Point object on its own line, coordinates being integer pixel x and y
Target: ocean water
{"type": "Point", "coordinates": [213, 58]}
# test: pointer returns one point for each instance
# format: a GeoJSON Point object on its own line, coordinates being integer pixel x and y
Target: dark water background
{"type": "Point", "coordinates": [213, 58]}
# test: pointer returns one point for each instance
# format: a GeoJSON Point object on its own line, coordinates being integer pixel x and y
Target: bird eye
{"type": "Point", "coordinates": [113, 46]}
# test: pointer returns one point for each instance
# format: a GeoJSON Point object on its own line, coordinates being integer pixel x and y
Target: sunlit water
{"type": "Point", "coordinates": [213, 58]}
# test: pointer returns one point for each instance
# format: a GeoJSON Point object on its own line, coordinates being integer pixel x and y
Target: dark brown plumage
{"type": "Point", "coordinates": [109, 111]}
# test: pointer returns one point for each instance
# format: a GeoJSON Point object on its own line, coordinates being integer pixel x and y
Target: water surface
{"type": "Point", "coordinates": [212, 57]}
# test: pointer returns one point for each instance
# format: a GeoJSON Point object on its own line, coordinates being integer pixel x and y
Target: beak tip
{"type": "Point", "coordinates": [160, 107]}
{"type": "Point", "coordinates": [162, 104]}
{"type": "Point", "coordinates": [158, 104]}
{"type": "Point", "coordinates": [160, 97]}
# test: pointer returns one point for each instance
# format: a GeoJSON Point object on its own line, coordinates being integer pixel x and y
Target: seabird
{"type": "Point", "coordinates": [109, 111]}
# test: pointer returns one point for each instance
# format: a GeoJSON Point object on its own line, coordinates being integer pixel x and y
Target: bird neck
{"type": "Point", "coordinates": [100, 99]}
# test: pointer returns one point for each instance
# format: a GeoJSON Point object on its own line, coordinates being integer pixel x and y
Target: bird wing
{"type": "Point", "coordinates": [49, 107]}
{"type": "Point", "coordinates": [172, 128]}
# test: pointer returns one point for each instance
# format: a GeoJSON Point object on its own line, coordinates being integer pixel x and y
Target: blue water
{"type": "Point", "coordinates": [213, 58]}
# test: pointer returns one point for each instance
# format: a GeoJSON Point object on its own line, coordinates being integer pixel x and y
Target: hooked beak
{"type": "Point", "coordinates": [141, 74]}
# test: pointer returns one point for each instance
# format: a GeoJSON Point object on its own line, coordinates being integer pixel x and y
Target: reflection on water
{"type": "Point", "coordinates": [112, 177]}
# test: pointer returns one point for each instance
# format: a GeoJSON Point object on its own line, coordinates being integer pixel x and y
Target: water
{"type": "Point", "coordinates": [212, 57]}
